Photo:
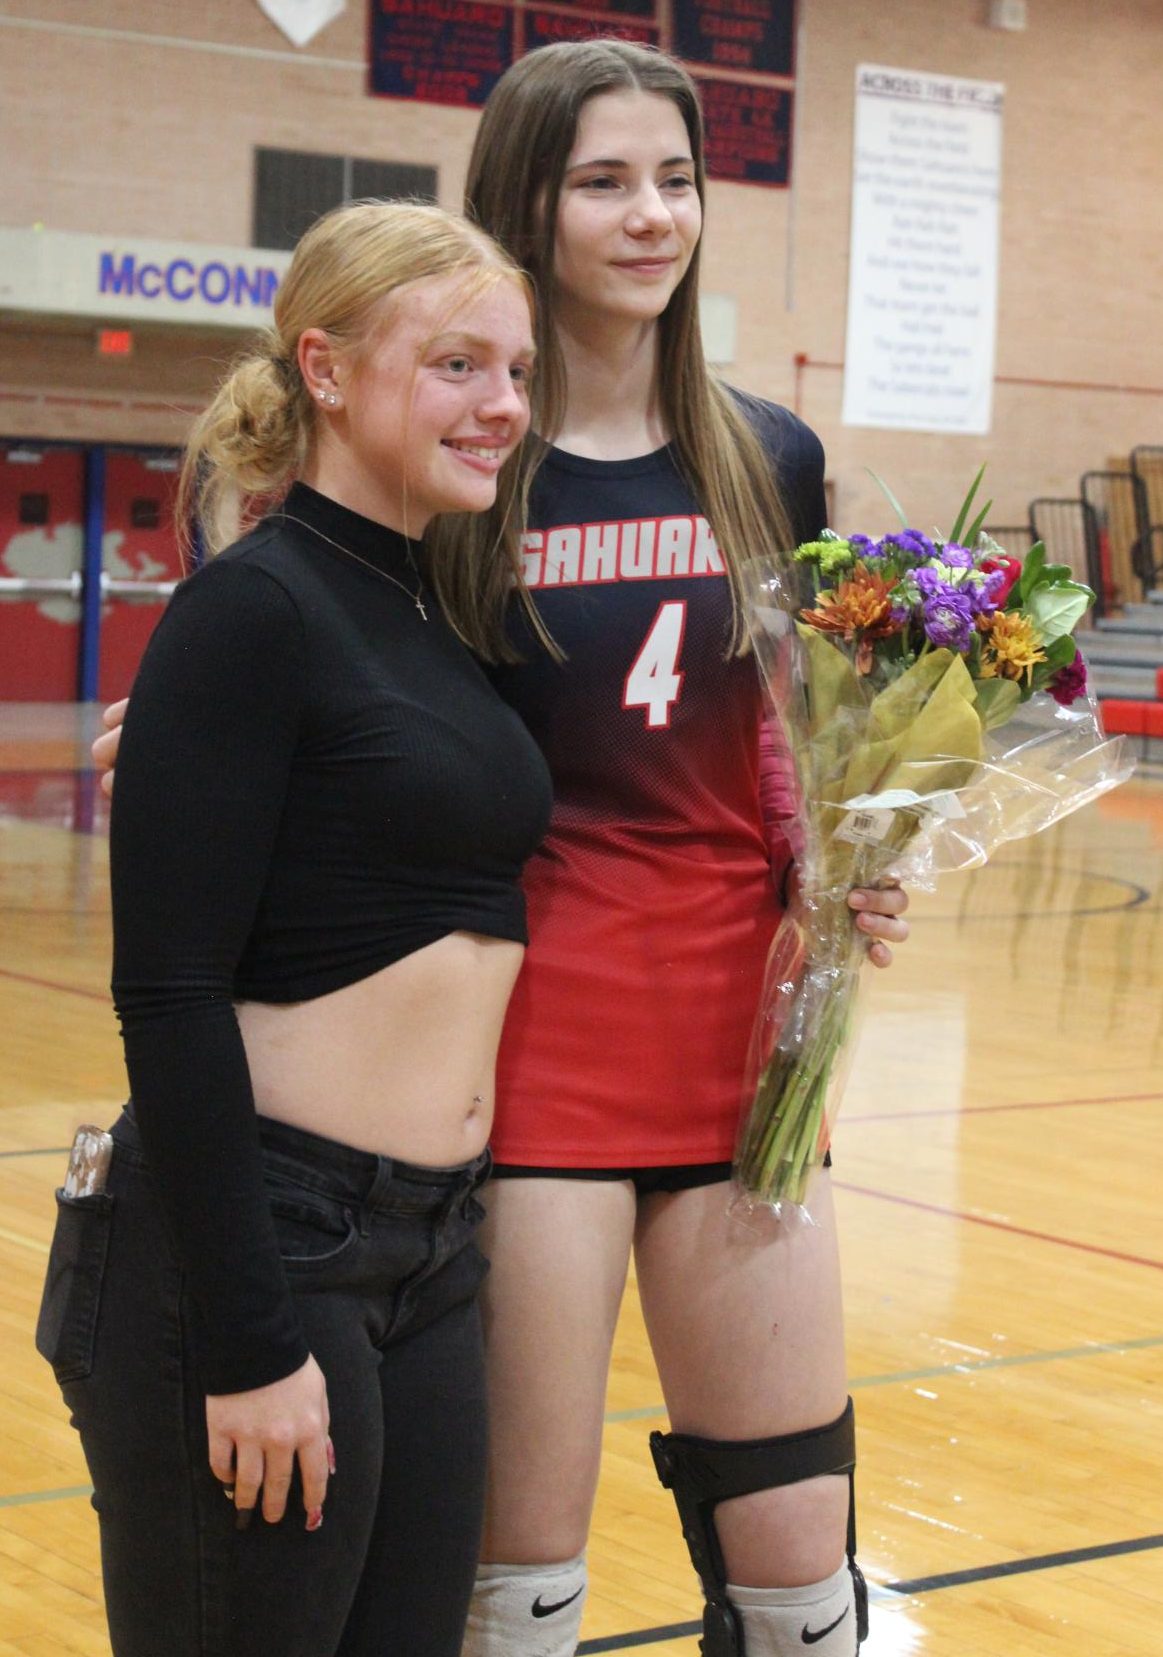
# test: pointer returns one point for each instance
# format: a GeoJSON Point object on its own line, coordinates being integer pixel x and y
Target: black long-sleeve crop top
{"type": "Point", "coordinates": [312, 783]}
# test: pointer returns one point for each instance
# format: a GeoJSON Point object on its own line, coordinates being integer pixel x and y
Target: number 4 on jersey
{"type": "Point", "coordinates": [654, 681]}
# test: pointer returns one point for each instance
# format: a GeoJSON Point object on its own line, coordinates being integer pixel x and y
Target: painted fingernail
{"type": "Point", "coordinates": [330, 1457]}
{"type": "Point", "coordinates": [315, 1518]}
{"type": "Point", "coordinates": [228, 1492]}
{"type": "Point", "coordinates": [243, 1517]}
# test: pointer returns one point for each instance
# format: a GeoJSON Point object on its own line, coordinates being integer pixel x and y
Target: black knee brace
{"type": "Point", "coordinates": [702, 1472]}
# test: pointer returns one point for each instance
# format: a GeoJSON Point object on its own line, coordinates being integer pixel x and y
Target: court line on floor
{"type": "Point", "coordinates": [49, 984]}
{"type": "Point", "coordinates": [999, 1225]}
{"type": "Point", "coordinates": [30, 1496]}
{"type": "Point", "coordinates": [1015, 1360]}
{"type": "Point", "coordinates": [912, 1587]}
{"type": "Point", "coordinates": [937, 1372]}
{"type": "Point", "coordinates": [1020, 1567]}
{"type": "Point", "coordinates": [1138, 896]}
{"type": "Point", "coordinates": [986, 1110]}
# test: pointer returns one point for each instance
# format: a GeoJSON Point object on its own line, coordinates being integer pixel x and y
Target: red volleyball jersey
{"type": "Point", "coordinates": [651, 903]}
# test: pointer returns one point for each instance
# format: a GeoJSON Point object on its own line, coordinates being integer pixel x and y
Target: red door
{"type": "Point", "coordinates": [41, 536]}
{"type": "Point", "coordinates": [139, 545]}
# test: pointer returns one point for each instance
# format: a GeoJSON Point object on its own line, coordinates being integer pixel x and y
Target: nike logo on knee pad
{"type": "Point", "coordinates": [811, 1636]}
{"type": "Point", "coordinates": [540, 1610]}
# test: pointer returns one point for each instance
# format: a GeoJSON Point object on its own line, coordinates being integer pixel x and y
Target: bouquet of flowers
{"type": "Point", "coordinates": [934, 701]}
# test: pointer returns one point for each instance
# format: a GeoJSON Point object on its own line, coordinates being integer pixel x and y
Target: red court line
{"type": "Point", "coordinates": [999, 1225]}
{"type": "Point", "coordinates": [986, 1110]}
{"type": "Point", "coordinates": [48, 984]}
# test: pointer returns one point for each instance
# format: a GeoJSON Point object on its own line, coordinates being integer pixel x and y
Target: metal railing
{"type": "Point", "coordinates": [1070, 530]}
{"type": "Point", "coordinates": [1119, 501]}
{"type": "Point", "coordinates": [72, 586]}
{"type": "Point", "coordinates": [1016, 539]}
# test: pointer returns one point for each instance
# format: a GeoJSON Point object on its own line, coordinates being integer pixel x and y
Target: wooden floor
{"type": "Point", "coordinates": [999, 1167]}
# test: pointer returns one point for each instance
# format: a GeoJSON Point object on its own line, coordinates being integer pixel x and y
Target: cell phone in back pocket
{"type": "Point", "coordinates": [89, 1162]}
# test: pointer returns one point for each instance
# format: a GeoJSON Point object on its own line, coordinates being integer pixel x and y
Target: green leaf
{"type": "Point", "coordinates": [962, 516]}
{"type": "Point", "coordinates": [889, 496]}
{"type": "Point", "coordinates": [1032, 569]}
{"type": "Point", "coordinates": [1057, 610]}
{"type": "Point", "coordinates": [977, 525]}
{"type": "Point", "coordinates": [997, 700]}
{"type": "Point", "coordinates": [1054, 575]}
{"type": "Point", "coordinates": [1060, 652]}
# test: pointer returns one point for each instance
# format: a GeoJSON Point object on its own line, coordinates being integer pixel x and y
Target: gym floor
{"type": "Point", "coordinates": [997, 1161]}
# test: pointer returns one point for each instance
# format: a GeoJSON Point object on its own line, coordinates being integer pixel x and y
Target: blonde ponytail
{"type": "Point", "coordinates": [247, 446]}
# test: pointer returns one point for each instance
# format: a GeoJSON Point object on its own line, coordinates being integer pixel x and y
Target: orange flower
{"type": "Point", "coordinates": [859, 608]}
{"type": "Point", "coordinates": [862, 604]}
{"type": "Point", "coordinates": [1011, 648]}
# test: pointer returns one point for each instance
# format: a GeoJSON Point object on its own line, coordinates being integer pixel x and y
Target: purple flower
{"type": "Point", "coordinates": [862, 546]}
{"type": "Point", "coordinates": [948, 619]}
{"type": "Point", "coordinates": [995, 580]}
{"type": "Point", "coordinates": [982, 593]}
{"type": "Point", "coordinates": [957, 556]}
{"type": "Point", "coordinates": [932, 583]}
{"type": "Point", "coordinates": [1069, 683]}
{"type": "Point", "coordinates": [909, 541]}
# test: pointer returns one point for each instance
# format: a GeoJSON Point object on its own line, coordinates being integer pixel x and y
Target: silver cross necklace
{"type": "Point", "coordinates": [367, 563]}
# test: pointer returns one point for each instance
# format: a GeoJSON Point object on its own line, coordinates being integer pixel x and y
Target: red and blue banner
{"type": "Point", "coordinates": [439, 51]}
{"type": "Point", "coordinates": [743, 52]}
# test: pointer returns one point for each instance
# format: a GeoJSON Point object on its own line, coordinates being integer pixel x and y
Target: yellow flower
{"type": "Point", "coordinates": [1011, 648]}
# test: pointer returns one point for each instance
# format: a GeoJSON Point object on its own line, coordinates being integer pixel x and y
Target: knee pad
{"type": "Point", "coordinates": [526, 1610]}
{"type": "Point", "coordinates": [702, 1472]}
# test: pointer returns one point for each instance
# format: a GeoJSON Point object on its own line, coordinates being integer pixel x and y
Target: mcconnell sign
{"type": "Point", "coordinates": [64, 273]}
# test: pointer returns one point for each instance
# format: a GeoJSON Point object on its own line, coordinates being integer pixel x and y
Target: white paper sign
{"type": "Point", "coordinates": [301, 20]}
{"type": "Point", "coordinates": [922, 283]}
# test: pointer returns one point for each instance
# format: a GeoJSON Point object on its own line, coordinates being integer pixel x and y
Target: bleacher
{"type": "Point", "coordinates": [1111, 536]}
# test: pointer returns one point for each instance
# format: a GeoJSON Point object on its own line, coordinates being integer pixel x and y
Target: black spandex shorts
{"type": "Point", "coordinates": [680, 1177]}
{"type": "Point", "coordinates": [683, 1176]}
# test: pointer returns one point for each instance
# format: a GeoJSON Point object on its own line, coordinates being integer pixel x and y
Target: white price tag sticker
{"type": "Point", "coordinates": [865, 827]}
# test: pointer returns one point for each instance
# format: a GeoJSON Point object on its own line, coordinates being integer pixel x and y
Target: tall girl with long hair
{"type": "Point", "coordinates": [652, 902]}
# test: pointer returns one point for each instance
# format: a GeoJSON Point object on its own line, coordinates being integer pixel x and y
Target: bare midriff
{"type": "Point", "coordinates": [401, 1063]}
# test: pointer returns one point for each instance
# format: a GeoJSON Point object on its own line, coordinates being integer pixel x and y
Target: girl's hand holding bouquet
{"type": "Point", "coordinates": [934, 702]}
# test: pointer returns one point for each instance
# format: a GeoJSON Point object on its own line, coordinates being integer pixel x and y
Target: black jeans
{"type": "Point", "coordinates": [381, 1260]}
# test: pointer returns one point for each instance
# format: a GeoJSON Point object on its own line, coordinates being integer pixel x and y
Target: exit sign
{"type": "Point", "coordinates": [114, 342]}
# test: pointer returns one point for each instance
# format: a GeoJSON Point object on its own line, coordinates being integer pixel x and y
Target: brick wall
{"type": "Point", "coordinates": [142, 121]}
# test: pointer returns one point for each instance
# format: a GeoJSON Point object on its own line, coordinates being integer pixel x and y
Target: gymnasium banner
{"type": "Point", "coordinates": [735, 34]}
{"type": "Point", "coordinates": [748, 131]}
{"type": "Point", "coordinates": [439, 51]}
{"type": "Point", "coordinates": [741, 51]}
{"type": "Point", "coordinates": [923, 264]}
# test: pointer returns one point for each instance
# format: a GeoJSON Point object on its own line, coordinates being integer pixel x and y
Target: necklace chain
{"type": "Point", "coordinates": [416, 597]}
